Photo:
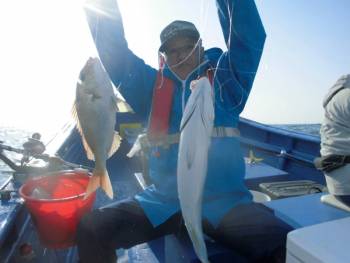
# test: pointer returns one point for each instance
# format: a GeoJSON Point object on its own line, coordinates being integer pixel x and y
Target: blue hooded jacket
{"type": "Point", "coordinates": [234, 73]}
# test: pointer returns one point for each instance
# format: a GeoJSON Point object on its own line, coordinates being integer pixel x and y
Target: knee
{"type": "Point", "coordinates": [87, 228]}
{"type": "Point", "coordinates": [90, 243]}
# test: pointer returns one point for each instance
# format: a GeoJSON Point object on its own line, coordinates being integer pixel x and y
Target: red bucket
{"type": "Point", "coordinates": [57, 212]}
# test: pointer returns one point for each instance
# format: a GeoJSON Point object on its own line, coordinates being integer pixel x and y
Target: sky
{"type": "Point", "coordinates": [45, 43]}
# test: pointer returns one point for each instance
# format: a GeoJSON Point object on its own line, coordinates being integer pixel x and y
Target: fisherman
{"type": "Point", "coordinates": [335, 140]}
{"type": "Point", "coordinates": [229, 216]}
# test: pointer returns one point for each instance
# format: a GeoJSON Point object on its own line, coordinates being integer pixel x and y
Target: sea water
{"type": "Point", "coordinates": [312, 129]}
{"type": "Point", "coordinates": [13, 137]}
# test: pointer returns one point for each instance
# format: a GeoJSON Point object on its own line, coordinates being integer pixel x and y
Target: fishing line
{"type": "Point", "coordinates": [187, 56]}
{"type": "Point", "coordinates": [251, 46]}
{"type": "Point", "coordinates": [203, 14]}
{"type": "Point", "coordinates": [161, 63]}
{"type": "Point", "coordinates": [197, 44]}
{"type": "Point", "coordinates": [62, 130]}
{"type": "Point", "coordinates": [232, 72]}
{"type": "Point", "coordinates": [69, 124]}
{"type": "Point", "coordinates": [203, 22]}
{"type": "Point", "coordinates": [96, 29]}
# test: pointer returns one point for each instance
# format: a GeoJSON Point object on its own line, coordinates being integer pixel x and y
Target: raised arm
{"type": "Point", "coordinates": [245, 37]}
{"type": "Point", "coordinates": [134, 78]}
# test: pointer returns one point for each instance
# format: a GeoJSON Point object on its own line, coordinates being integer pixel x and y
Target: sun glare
{"type": "Point", "coordinates": [44, 45]}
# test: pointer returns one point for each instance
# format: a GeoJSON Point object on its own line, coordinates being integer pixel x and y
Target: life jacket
{"type": "Point", "coordinates": [161, 105]}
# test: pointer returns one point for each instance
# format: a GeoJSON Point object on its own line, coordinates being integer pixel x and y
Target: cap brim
{"type": "Point", "coordinates": [184, 33]}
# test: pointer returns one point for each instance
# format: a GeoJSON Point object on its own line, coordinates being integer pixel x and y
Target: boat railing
{"type": "Point", "coordinates": [278, 151]}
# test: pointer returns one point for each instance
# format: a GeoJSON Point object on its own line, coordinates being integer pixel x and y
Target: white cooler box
{"type": "Point", "coordinates": [327, 242]}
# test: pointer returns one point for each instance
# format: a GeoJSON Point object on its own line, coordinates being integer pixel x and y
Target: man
{"type": "Point", "coordinates": [335, 140]}
{"type": "Point", "coordinates": [229, 215]}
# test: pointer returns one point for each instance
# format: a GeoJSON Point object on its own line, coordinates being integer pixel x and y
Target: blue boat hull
{"type": "Point", "coordinates": [286, 155]}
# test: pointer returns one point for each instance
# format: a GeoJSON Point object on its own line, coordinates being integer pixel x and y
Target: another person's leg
{"type": "Point", "coordinates": [338, 183]}
{"type": "Point", "coordinates": [345, 199]}
{"type": "Point", "coordinates": [124, 225]}
{"type": "Point", "coordinates": [253, 231]}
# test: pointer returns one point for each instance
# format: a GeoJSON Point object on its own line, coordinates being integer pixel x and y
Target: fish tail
{"type": "Point", "coordinates": [106, 184]}
{"type": "Point", "coordinates": [198, 242]}
{"type": "Point", "coordinates": [99, 179]}
{"type": "Point", "coordinates": [93, 184]}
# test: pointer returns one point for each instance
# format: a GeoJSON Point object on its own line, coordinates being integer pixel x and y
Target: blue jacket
{"type": "Point", "coordinates": [234, 74]}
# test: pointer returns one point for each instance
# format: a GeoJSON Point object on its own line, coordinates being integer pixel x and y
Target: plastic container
{"type": "Point", "coordinates": [260, 197]}
{"type": "Point", "coordinates": [285, 189]}
{"type": "Point", "coordinates": [56, 204]}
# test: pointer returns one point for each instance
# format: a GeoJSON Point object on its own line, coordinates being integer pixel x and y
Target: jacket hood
{"type": "Point", "coordinates": [213, 55]}
{"type": "Point", "coordinates": [342, 82]}
{"type": "Point", "coordinates": [211, 58]}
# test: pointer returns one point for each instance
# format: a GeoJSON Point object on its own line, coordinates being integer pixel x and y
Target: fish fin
{"type": "Point", "coordinates": [187, 116]}
{"type": "Point", "coordinates": [114, 103]}
{"type": "Point", "coordinates": [190, 107]}
{"type": "Point", "coordinates": [190, 156]}
{"type": "Point", "coordinates": [96, 94]}
{"type": "Point", "coordinates": [74, 107]}
{"type": "Point", "coordinates": [87, 148]}
{"type": "Point", "coordinates": [76, 118]}
{"type": "Point", "coordinates": [94, 183]}
{"type": "Point", "coordinates": [207, 112]}
{"type": "Point", "coordinates": [99, 179]}
{"type": "Point", "coordinates": [74, 112]}
{"type": "Point", "coordinates": [115, 144]}
{"type": "Point", "coordinates": [89, 154]}
{"type": "Point", "coordinates": [106, 184]}
{"type": "Point", "coordinates": [123, 106]}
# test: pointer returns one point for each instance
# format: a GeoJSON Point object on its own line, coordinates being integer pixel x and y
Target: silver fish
{"type": "Point", "coordinates": [196, 129]}
{"type": "Point", "coordinates": [95, 111]}
{"type": "Point", "coordinates": [40, 193]}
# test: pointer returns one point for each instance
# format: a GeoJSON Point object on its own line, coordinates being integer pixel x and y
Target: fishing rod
{"type": "Point", "coordinates": [34, 148]}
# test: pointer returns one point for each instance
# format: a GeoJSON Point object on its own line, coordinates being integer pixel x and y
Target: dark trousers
{"type": "Point", "coordinates": [251, 230]}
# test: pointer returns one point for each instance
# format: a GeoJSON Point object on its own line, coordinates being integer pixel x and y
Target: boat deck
{"type": "Point", "coordinates": [285, 157]}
